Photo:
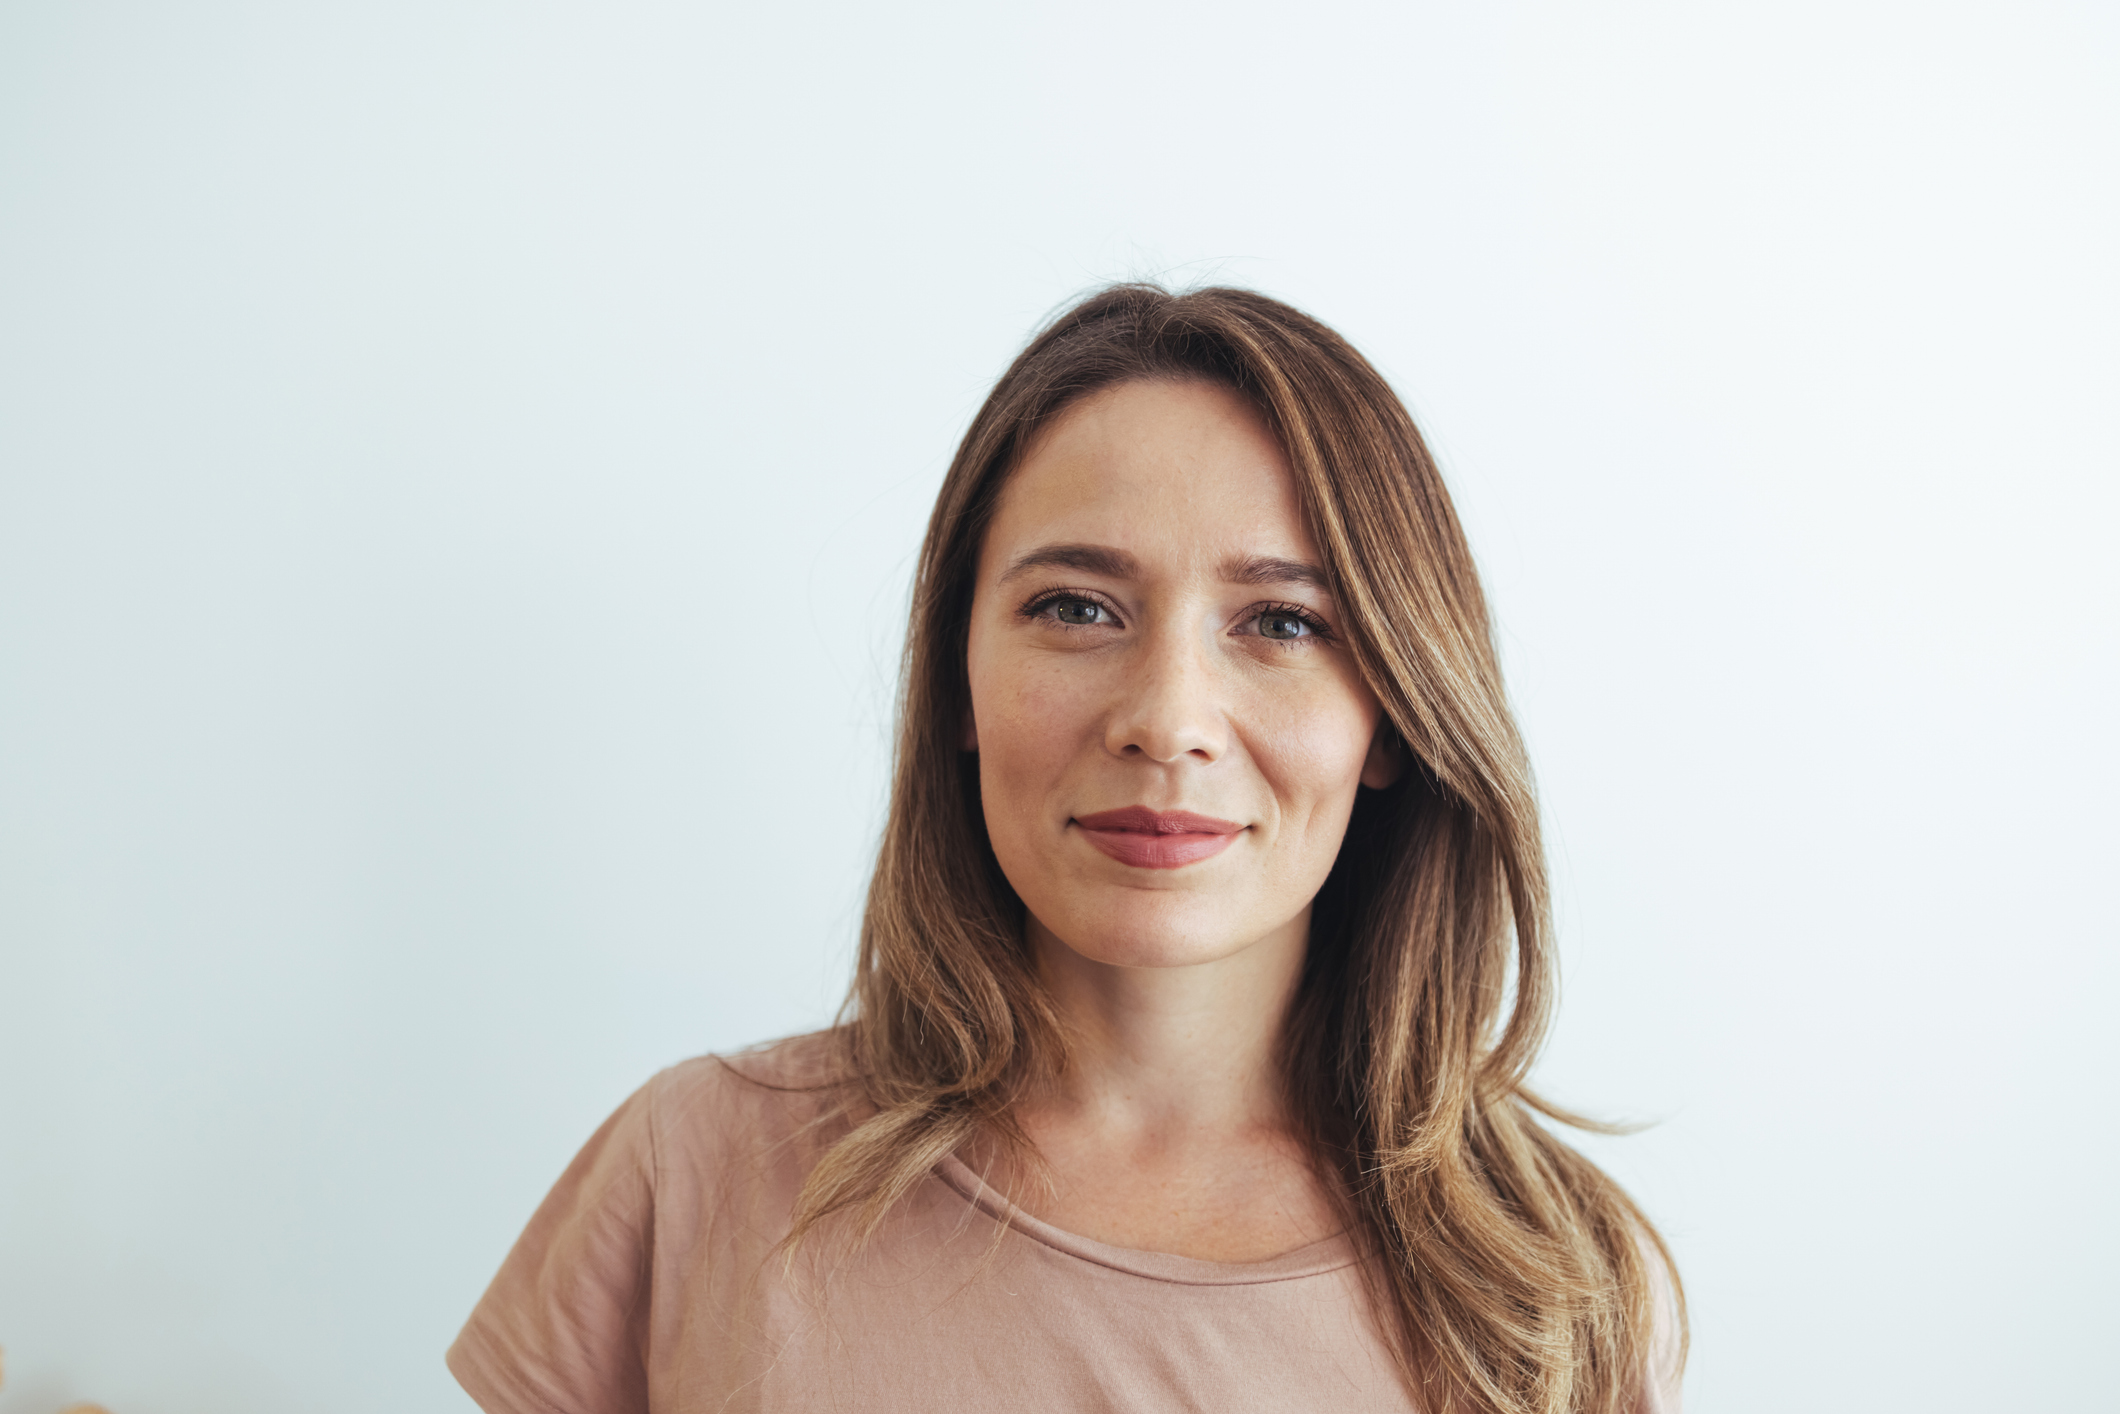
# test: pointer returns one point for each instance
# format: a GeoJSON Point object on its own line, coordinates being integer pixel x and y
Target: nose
{"type": "Point", "coordinates": [1168, 708]}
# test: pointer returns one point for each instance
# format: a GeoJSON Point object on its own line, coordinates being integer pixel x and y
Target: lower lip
{"type": "Point", "coordinates": [1145, 851]}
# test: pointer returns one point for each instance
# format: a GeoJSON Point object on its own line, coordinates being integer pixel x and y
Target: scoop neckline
{"type": "Point", "coordinates": [1327, 1254]}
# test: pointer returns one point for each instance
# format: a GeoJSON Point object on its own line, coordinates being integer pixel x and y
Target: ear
{"type": "Point", "coordinates": [969, 739]}
{"type": "Point", "coordinates": [1386, 760]}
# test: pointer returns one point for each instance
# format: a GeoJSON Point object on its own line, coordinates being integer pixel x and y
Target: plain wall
{"type": "Point", "coordinates": [459, 468]}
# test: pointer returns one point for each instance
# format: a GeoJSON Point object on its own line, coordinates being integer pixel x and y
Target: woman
{"type": "Point", "coordinates": [1185, 1062]}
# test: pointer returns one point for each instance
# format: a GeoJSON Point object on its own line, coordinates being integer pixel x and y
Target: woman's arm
{"type": "Point", "coordinates": [563, 1327]}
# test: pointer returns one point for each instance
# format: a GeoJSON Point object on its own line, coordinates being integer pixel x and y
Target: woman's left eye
{"type": "Point", "coordinates": [1278, 623]}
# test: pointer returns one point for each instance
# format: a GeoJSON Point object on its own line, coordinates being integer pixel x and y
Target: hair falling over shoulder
{"type": "Point", "coordinates": [1508, 1272]}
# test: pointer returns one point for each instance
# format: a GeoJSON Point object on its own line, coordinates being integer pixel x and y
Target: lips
{"type": "Point", "coordinates": [1153, 839]}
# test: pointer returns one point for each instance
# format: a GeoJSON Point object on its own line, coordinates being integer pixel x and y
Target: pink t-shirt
{"type": "Point", "coordinates": [648, 1281]}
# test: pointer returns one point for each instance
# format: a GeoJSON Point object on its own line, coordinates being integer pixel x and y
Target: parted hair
{"type": "Point", "coordinates": [1508, 1273]}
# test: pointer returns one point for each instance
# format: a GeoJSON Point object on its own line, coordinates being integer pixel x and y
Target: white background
{"type": "Point", "coordinates": [459, 464]}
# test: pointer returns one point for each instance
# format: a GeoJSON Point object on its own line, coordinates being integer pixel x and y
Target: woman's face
{"type": "Point", "coordinates": [1170, 728]}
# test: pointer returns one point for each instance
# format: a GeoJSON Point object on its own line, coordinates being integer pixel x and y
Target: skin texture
{"type": "Point", "coordinates": [1144, 634]}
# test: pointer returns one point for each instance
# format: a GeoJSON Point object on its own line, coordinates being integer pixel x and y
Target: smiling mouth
{"type": "Point", "coordinates": [1152, 839]}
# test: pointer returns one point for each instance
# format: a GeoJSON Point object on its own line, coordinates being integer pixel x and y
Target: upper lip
{"type": "Point", "coordinates": [1140, 820]}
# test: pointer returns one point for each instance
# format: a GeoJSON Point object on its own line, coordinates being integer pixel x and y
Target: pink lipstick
{"type": "Point", "coordinates": [1152, 839]}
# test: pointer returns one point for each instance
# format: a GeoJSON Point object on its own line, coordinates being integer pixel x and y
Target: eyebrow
{"type": "Point", "coordinates": [1090, 559]}
{"type": "Point", "coordinates": [1265, 569]}
{"type": "Point", "coordinates": [1117, 564]}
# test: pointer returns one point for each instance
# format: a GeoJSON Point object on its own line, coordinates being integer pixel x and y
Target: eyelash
{"type": "Point", "coordinates": [1309, 620]}
{"type": "Point", "coordinates": [1319, 630]}
{"type": "Point", "coordinates": [1038, 605]}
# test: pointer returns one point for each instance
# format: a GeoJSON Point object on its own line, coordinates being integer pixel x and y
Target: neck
{"type": "Point", "coordinates": [1170, 1054]}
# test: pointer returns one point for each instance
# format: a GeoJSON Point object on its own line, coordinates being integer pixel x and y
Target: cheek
{"type": "Point", "coordinates": [1311, 751]}
{"type": "Point", "coordinates": [1029, 725]}
{"type": "Point", "coordinates": [1014, 716]}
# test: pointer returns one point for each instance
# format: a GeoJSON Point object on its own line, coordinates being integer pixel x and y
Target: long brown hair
{"type": "Point", "coordinates": [1509, 1274]}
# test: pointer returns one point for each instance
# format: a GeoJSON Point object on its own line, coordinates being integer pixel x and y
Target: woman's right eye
{"type": "Point", "coordinates": [1077, 611]}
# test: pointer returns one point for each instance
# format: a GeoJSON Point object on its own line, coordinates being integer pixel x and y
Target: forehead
{"type": "Point", "coordinates": [1177, 474]}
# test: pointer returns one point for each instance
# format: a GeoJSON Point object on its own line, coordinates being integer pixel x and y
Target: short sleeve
{"type": "Point", "coordinates": [563, 1328]}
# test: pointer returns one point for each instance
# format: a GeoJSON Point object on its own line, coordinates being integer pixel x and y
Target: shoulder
{"type": "Point", "coordinates": [811, 1064]}
{"type": "Point", "coordinates": [779, 1104]}
{"type": "Point", "coordinates": [1664, 1364]}
{"type": "Point", "coordinates": [698, 1165]}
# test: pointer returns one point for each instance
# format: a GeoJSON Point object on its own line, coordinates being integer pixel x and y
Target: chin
{"type": "Point", "coordinates": [1151, 932]}
{"type": "Point", "coordinates": [1160, 951]}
